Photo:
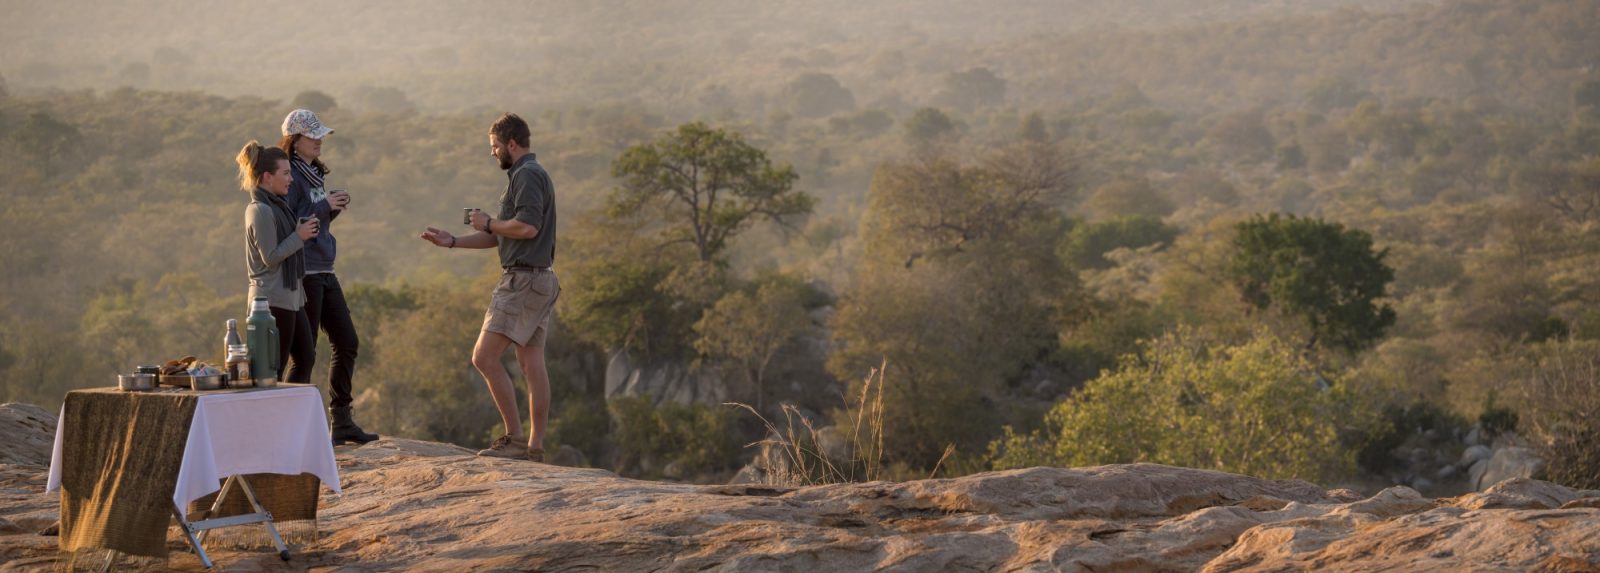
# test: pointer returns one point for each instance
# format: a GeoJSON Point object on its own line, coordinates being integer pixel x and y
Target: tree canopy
{"type": "Point", "coordinates": [707, 185]}
{"type": "Point", "coordinates": [1321, 272]}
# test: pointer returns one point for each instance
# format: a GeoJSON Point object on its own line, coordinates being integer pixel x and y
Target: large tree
{"type": "Point", "coordinates": [749, 327]}
{"type": "Point", "coordinates": [708, 185]}
{"type": "Point", "coordinates": [1322, 273]}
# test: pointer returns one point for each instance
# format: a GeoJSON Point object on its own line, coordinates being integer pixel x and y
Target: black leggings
{"type": "Point", "coordinates": [294, 341]}
{"type": "Point", "coordinates": [326, 308]}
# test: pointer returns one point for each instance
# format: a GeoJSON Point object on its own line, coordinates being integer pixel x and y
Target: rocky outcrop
{"type": "Point", "coordinates": [420, 506]}
{"type": "Point", "coordinates": [27, 434]}
{"type": "Point", "coordinates": [662, 383]}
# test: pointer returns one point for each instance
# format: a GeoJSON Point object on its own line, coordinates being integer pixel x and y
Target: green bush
{"type": "Point", "coordinates": [1254, 408]}
{"type": "Point", "coordinates": [1086, 246]}
{"type": "Point", "coordinates": [1497, 419]}
{"type": "Point", "coordinates": [1398, 422]}
{"type": "Point", "coordinates": [672, 440]}
{"type": "Point", "coordinates": [581, 423]}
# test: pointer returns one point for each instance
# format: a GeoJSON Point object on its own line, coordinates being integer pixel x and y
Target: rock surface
{"type": "Point", "coordinates": [662, 383]}
{"type": "Point", "coordinates": [421, 506]}
{"type": "Point", "coordinates": [28, 434]}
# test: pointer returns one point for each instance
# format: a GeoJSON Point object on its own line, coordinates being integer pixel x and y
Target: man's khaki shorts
{"type": "Point", "coordinates": [521, 306]}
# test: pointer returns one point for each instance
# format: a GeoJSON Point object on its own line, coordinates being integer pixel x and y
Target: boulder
{"type": "Point", "coordinates": [1507, 463]}
{"type": "Point", "coordinates": [29, 433]}
{"type": "Point", "coordinates": [1474, 454]}
{"type": "Point", "coordinates": [663, 383]}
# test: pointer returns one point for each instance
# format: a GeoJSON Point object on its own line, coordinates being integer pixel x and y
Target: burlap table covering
{"type": "Point", "coordinates": [120, 459]}
{"type": "Point", "coordinates": [121, 453]}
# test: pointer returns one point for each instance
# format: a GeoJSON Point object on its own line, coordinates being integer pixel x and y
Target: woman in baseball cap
{"type": "Point", "coordinates": [326, 309]}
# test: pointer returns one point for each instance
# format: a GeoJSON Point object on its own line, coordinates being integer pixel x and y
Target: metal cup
{"type": "Point", "coordinates": [466, 215]}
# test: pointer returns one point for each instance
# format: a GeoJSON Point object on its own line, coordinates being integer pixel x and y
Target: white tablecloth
{"type": "Point", "coordinates": [278, 431]}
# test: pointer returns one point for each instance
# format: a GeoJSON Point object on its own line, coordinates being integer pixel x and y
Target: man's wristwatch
{"type": "Point", "coordinates": [488, 225]}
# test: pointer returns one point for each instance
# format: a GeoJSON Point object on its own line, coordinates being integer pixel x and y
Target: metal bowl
{"type": "Point", "coordinates": [207, 382]}
{"type": "Point", "coordinates": [136, 382]}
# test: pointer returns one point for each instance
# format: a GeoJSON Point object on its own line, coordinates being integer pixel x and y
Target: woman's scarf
{"type": "Point", "coordinates": [294, 267]}
{"type": "Point", "coordinates": [309, 174]}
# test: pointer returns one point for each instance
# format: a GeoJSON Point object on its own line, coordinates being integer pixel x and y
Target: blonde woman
{"type": "Point", "coordinates": [273, 245]}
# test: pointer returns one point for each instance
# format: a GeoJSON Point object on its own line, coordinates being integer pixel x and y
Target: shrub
{"type": "Point", "coordinates": [672, 440]}
{"type": "Point", "coordinates": [1561, 409]}
{"type": "Point", "coordinates": [1255, 408]}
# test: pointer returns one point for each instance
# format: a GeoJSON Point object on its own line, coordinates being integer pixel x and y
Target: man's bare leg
{"type": "Point", "coordinates": [531, 358]}
{"type": "Point", "coordinates": [486, 358]}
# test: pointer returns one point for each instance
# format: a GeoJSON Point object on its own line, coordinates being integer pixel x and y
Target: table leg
{"type": "Point", "coordinates": [188, 531]}
{"type": "Point", "coordinates": [260, 515]}
{"type": "Point", "coordinates": [216, 505]}
{"type": "Point", "coordinates": [250, 494]}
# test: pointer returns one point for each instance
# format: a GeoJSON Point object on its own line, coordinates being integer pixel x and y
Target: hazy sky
{"type": "Point", "coordinates": [446, 55]}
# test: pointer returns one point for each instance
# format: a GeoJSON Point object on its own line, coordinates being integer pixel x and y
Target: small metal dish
{"type": "Point", "coordinates": [206, 382]}
{"type": "Point", "coordinates": [136, 382]}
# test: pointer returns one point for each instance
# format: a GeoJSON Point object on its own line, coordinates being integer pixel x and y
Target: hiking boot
{"type": "Point", "coordinates": [344, 429]}
{"type": "Point", "coordinates": [507, 446]}
{"type": "Point", "coordinates": [536, 455]}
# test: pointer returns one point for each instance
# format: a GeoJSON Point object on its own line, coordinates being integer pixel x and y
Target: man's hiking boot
{"type": "Point", "coordinates": [344, 429]}
{"type": "Point", "coordinates": [507, 446]}
{"type": "Point", "coordinates": [536, 455]}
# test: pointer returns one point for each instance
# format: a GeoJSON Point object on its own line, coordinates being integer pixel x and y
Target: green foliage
{"type": "Point", "coordinates": [933, 205]}
{"type": "Point", "coordinates": [1328, 276]}
{"type": "Point", "coordinates": [1498, 420]}
{"type": "Point", "coordinates": [927, 126]}
{"type": "Point", "coordinates": [581, 422]}
{"type": "Point", "coordinates": [1571, 190]}
{"type": "Point", "coordinates": [1335, 92]}
{"type": "Point", "coordinates": [707, 185]}
{"type": "Point", "coordinates": [866, 123]}
{"type": "Point", "coordinates": [618, 304]}
{"type": "Point", "coordinates": [1134, 197]}
{"type": "Point", "coordinates": [750, 327]}
{"type": "Point", "coordinates": [1254, 409]}
{"type": "Point", "coordinates": [814, 95]}
{"type": "Point", "coordinates": [44, 139]}
{"type": "Point", "coordinates": [1033, 129]}
{"type": "Point", "coordinates": [950, 352]}
{"type": "Point", "coordinates": [672, 440]}
{"type": "Point", "coordinates": [1086, 246]}
{"type": "Point", "coordinates": [1399, 422]}
{"type": "Point", "coordinates": [1242, 137]}
{"type": "Point", "coordinates": [421, 383]}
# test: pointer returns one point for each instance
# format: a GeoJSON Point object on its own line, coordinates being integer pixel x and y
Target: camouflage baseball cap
{"type": "Point", "coordinates": [304, 122]}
